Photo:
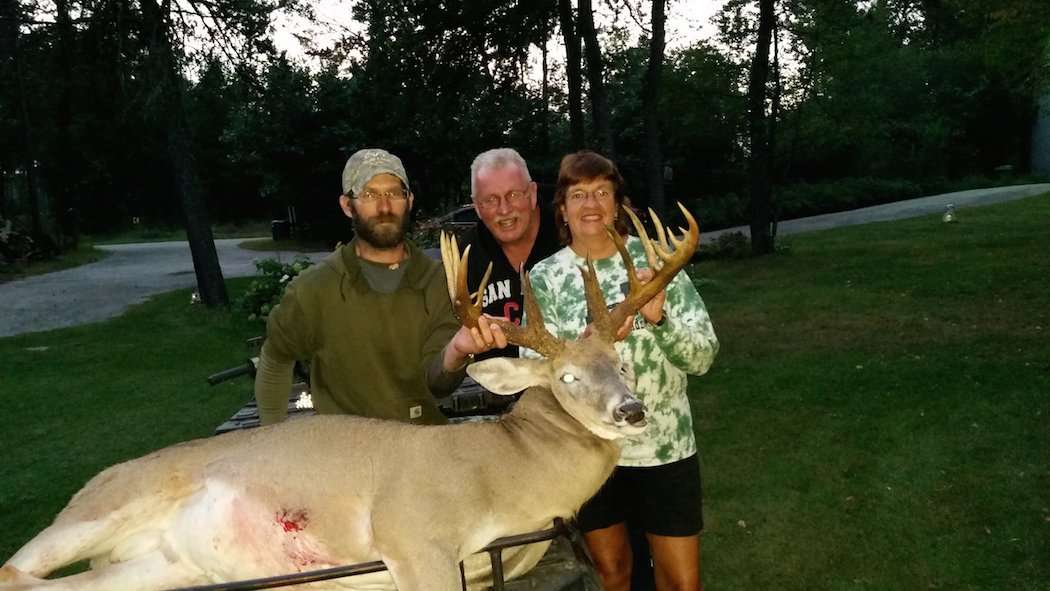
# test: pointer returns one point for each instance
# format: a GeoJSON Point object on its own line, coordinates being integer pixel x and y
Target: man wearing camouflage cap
{"type": "Point", "coordinates": [374, 317]}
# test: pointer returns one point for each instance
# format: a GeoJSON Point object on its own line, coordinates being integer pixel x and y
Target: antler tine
{"type": "Point", "coordinates": [450, 262]}
{"type": "Point", "coordinates": [533, 335]}
{"type": "Point", "coordinates": [673, 262]}
{"type": "Point", "coordinates": [661, 246]}
{"type": "Point", "coordinates": [468, 309]}
{"type": "Point", "coordinates": [479, 296]}
{"type": "Point", "coordinates": [596, 301]}
{"type": "Point", "coordinates": [690, 235]}
{"type": "Point", "coordinates": [650, 254]}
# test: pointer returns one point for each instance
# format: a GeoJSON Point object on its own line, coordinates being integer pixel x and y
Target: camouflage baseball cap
{"type": "Point", "coordinates": [367, 163]}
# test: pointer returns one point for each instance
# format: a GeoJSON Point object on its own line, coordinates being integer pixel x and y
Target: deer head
{"type": "Point", "coordinates": [585, 375]}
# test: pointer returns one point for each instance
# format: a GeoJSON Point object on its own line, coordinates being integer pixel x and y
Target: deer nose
{"type": "Point", "coordinates": [632, 411]}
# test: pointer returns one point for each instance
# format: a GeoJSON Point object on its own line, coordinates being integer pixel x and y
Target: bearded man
{"type": "Point", "coordinates": [374, 318]}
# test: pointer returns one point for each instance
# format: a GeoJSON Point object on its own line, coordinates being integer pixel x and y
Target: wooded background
{"type": "Point", "coordinates": [184, 111]}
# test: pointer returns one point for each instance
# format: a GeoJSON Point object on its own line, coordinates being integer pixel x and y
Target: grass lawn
{"type": "Point", "coordinates": [76, 400]}
{"type": "Point", "coordinates": [876, 419]}
{"type": "Point", "coordinates": [878, 414]}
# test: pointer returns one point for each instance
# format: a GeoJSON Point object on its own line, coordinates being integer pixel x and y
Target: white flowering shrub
{"type": "Point", "coordinates": [265, 291]}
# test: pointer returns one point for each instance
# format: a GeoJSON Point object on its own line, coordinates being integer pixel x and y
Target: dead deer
{"type": "Point", "coordinates": [332, 490]}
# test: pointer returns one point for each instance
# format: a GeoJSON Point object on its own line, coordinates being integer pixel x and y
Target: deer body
{"type": "Point", "coordinates": [325, 491]}
{"type": "Point", "coordinates": [332, 490]}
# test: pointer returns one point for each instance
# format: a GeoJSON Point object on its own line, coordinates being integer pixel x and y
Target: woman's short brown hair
{"type": "Point", "coordinates": [580, 167]}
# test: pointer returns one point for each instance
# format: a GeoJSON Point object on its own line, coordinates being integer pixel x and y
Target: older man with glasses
{"type": "Point", "coordinates": [374, 318]}
{"type": "Point", "coordinates": [516, 231]}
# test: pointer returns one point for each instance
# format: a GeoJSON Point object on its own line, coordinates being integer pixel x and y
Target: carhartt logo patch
{"type": "Point", "coordinates": [415, 412]}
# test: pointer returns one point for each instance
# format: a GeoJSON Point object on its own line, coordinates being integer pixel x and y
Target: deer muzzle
{"type": "Point", "coordinates": [632, 411]}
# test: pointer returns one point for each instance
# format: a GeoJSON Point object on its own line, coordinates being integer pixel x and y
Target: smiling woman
{"type": "Point", "coordinates": [672, 337]}
{"type": "Point", "coordinates": [589, 196]}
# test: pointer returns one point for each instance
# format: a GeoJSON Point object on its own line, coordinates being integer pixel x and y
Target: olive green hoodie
{"type": "Point", "coordinates": [371, 354]}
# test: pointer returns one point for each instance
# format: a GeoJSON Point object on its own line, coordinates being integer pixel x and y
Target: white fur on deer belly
{"type": "Point", "coordinates": [229, 535]}
{"type": "Point", "coordinates": [482, 536]}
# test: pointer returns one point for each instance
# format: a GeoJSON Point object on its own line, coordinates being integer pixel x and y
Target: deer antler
{"type": "Point", "coordinates": [535, 335]}
{"type": "Point", "coordinates": [665, 258]}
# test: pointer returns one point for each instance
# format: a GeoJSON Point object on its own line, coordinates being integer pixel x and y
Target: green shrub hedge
{"type": "Point", "coordinates": [265, 291]}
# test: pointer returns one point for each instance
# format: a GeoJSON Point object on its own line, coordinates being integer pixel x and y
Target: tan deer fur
{"type": "Point", "coordinates": [318, 492]}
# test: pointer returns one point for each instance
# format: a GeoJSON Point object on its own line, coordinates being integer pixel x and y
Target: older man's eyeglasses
{"type": "Point", "coordinates": [600, 195]}
{"type": "Point", "coordinates": [513, 199]}
{"type": "Point", "coordinates": [369, 196]}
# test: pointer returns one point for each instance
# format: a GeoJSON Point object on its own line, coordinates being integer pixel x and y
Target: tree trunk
{"type": "Point", "coordinates": [651, 111]}
{"type": "Point", "coordinates": [210, 282]}
{"type": "Point", "coordinates": [62, 173]}
{"type": "Point", "coordinates": [11, 96]}
{"type": "Point", "coordinates": [25, 158]}
{"type": "Point", "coordinates": [758, 165]}
{"type": "Point", "coordinates": [774, 122]}
{"type": "Point", "coordinates": [595, 79]}
{"type": "Point", "coordinates": [545, 131]}
{"type": "Point", "coordinates": [572, 74]}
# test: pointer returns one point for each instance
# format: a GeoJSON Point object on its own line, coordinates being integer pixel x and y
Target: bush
{"type": "Point", "coordinates": [719, 211]}
{"type": "Point", "coordinates": [806, 199]}
{"type": "Point", "coordinates": [425, 238]}
{"type": "Point", "coordinates": [731, 245]}
{"type": "Point", "coordinates": [265, 291]}
{"type": "Point", "coordinates": [16, 246]}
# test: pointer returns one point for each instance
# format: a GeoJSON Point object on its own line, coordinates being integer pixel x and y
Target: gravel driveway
{"type": "Point", "coordinates": [134, 272]}
{"type": "Point", "coordinates": [130, 274]}
{"type": "Point", "coordinates": [897, 211]}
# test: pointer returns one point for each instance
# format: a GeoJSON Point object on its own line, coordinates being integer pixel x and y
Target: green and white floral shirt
{"type": "Point", "coordinates": [661, 356]}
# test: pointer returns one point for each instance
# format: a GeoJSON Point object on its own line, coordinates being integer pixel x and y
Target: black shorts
{"type": "Point", "coordinates": [663, 500]}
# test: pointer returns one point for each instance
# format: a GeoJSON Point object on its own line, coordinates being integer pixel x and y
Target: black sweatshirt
{"type": "Point", "coordinates": [503, 296]}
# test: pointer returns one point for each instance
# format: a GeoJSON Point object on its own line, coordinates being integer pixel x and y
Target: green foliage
{"type": "Point", "coordinates": [265, 291]}
{"type": "Point", "coordinates": [907, 90]}
{"type": "Point", "coordinates": [719, 211]}
{"type": "Point", "coordinates": [728, 245]}
{"type": "Point", "coordinates": [702, 112]}
{"type": "Point", "coordinates": [16, 246]}
{"type": "Point", "coordinates": [897, 90]}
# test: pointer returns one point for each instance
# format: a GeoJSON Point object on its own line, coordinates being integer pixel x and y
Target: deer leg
{"type": "Point", "coordinates": [149, 571]}
{"type": "Point", "coordinates": [60, 545]}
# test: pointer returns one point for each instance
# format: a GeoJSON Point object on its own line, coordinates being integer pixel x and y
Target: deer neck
{"type": "Point", "coordinates": [555, 453]}
{"type": "Point", "coordinates": [538, 414]}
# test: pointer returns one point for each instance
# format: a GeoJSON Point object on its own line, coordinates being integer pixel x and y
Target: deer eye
{"type": "Point", "coordinates": [568, 378]}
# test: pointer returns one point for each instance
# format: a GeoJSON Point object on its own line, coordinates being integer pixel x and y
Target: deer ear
{"type": "Point", "coordinates": [509, 375]}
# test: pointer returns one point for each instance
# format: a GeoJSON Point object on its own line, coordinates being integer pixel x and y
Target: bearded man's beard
{"type": "Point", "coordinates": [382, 231]}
